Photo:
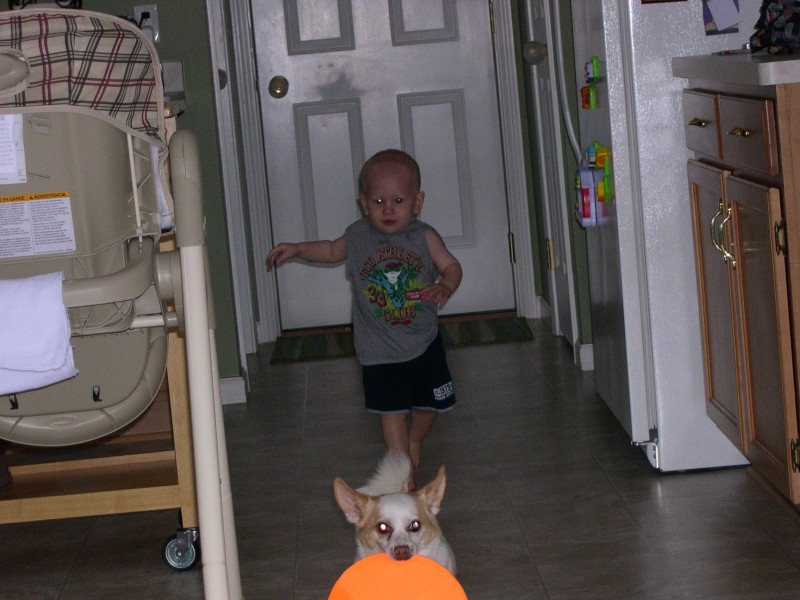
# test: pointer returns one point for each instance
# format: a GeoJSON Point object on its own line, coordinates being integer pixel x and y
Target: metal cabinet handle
{"type": "Point", "coordinates": [697, 122]}
{"type": "Point", "coordinates": [714, 229]}
{"type": "Point", "coordinates": [740, 132]}
{"type": "Point", "coordinates": [726, 256]}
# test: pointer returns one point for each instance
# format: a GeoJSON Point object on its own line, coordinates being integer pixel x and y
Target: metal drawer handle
{"type": "Point", "coordinates": [696, 122]}
{"type": "Point", "coordinates": [740, 132]}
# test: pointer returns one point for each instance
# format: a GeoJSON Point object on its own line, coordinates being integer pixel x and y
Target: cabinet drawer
{"type": "Point", "coordinates": [700, 114]}
{"type": "Point", "coordinates": [747, 131]}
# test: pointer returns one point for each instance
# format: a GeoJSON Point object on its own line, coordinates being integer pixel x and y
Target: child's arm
{"type": "Point", "coordinates": [449, 270]}
{"type": "Point", "coordinates": [322, 251]}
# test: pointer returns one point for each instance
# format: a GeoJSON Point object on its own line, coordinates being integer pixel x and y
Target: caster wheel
{"type": "Point", "coordinates": [177, 560]}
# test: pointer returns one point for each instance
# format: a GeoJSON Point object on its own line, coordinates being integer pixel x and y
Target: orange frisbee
{"type": "Point", "coordinates": [378, 577]}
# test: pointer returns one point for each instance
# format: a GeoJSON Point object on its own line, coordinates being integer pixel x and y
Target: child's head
{"type": "Point", "coordinates": [389, 190]}
{"type": "Point", "coordinates": [398, 157]}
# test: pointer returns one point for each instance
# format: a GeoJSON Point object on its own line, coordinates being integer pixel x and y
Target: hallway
{"type": "Point", "coordinates": [545, 498]}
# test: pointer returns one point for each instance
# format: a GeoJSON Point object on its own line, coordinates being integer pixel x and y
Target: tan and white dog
{"type": "Point", "coordinates": [390, 519]}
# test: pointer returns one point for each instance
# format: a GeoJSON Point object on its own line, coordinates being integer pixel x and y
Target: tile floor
{"type": "Point", "coordinates": [545, 499]}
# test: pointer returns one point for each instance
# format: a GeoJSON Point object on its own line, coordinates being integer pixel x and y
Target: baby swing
{"type": "Point", "coordinates": [103, 276]}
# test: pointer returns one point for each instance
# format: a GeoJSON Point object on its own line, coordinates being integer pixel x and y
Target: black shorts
{"type": "Point", "coordinates": [423, 382]}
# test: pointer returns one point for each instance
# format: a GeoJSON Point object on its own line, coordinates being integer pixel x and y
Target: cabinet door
{"type": "Point", "coordinates": [723, 405]}
{"type": "Point", "coordinates": [766, 375]}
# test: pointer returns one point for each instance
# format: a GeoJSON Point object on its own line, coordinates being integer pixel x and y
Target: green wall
{"type": "Point", "coordinates": [184, 36]}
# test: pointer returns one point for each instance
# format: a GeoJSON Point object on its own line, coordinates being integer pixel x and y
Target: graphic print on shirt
{"type": "Point", "coordinates": [395, 285]}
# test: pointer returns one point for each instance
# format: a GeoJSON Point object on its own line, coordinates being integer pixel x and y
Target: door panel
{"type": "Point", "coordinates": [322, 126]}
{"type": "Point", "coordinates": [364, 76]}
{"type": "Point", "coordinates": [317, 27]}
{"type": "Point", "coordinates": [433, 129]}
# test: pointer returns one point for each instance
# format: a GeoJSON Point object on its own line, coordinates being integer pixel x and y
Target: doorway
{"type": "Point", "coordinates": [528, 304]}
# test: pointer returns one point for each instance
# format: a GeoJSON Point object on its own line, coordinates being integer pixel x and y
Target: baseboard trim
{"type": "Point", "coordinates": [542, 309]}
{"type": "Point", "coordinates": [585, 355]}
{"type": "Point", "coordinates": [232, 390]}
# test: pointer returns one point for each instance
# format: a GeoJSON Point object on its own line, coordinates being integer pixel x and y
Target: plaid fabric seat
{"type": "Point", "coordinates": [91, 62]}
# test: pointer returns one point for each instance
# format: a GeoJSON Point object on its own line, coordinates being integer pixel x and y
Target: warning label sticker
{"type": "Point", "coordinates": [36, 224]}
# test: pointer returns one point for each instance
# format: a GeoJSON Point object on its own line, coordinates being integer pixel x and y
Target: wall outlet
{"type": "Point", "coordinates": [146, 16]}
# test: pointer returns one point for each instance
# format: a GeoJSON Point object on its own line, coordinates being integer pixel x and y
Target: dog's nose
{"type": "Point", "coordinates": [402, 553]}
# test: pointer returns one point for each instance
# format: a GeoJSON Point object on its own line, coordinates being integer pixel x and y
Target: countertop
{"type": "Point", "coordinates": [740, 68]}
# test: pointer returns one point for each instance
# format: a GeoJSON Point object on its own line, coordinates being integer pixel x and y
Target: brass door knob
{"type": "Point", "coordinates": [534, 52]}
{"type": "Point", "coordinates": [278, 86]}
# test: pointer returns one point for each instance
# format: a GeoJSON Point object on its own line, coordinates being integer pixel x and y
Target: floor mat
{"type": "Point", "coordinates": [456, 331]}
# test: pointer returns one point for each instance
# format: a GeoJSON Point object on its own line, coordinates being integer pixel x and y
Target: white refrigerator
{"type": "Point", "coordinates": [645, 318]}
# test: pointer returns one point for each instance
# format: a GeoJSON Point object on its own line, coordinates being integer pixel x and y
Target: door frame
{"type": "Point", "coordinates": [267, 326]}
{"type": "Point", "coordinates": [557, 221]}
{"type": "Point", "coordinates": [231, 183]}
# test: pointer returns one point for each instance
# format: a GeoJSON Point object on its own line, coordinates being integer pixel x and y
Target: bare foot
{"type": "Point", "coordinates": [415, 452]}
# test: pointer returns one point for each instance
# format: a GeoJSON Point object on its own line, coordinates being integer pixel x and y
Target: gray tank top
{"type": "Point", "coordinates": [390, 322]}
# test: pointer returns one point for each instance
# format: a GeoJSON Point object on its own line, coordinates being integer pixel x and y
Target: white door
{"type": "Point", "coordinates": [364, 75]}
{"type": "Point", "coordinates": [551, 166]}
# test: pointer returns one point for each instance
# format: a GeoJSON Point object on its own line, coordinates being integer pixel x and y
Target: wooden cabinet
{"type": "Point", "coordinates": [745, 216]}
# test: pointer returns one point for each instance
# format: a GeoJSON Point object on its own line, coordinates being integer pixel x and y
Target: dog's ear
{"type": "Point", "coordinates": [352, 503]}
{"type": "Point", "coordinates": [432, 494]}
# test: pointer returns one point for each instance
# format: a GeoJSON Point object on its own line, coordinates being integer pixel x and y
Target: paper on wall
{"type": "Point", "coordinates": [724, 12]}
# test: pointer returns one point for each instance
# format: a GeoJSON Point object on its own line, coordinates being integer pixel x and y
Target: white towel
{"type": "Point", "coordinates": [35, 348]}
{"type": "Point", "coordinates": [164, 209]}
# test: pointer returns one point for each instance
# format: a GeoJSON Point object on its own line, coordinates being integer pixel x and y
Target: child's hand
{"type": "Point", "coordinates": [438, 292]}
{"type": "Point", "coordinates": [281, 253]}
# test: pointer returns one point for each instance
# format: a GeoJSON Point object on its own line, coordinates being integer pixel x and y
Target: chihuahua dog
{"type": "Point", "coordinates": [390, 519]}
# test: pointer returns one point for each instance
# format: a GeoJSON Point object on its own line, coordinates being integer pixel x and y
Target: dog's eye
{"type": "Point", "coordinates": [384, 529]}
{"type": "Point", "coordinates": [414, 526]}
